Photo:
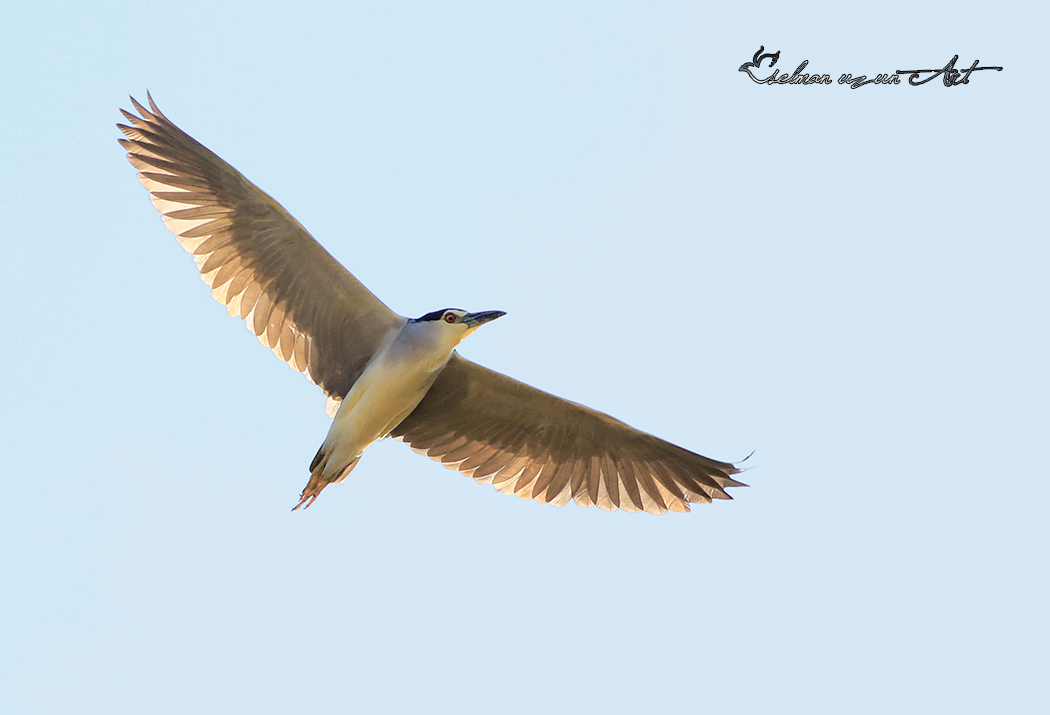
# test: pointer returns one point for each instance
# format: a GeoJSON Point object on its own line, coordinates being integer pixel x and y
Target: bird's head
{"type": "Point", "coordinates": [457, 323]}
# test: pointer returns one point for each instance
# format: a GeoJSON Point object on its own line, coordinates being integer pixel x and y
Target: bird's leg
{"type": "Point", "coordinates": [312, 490]}
{"type": "Point", "coordinates": [318, 480]}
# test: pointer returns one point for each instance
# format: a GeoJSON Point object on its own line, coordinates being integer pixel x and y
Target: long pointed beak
{"type": "Point", "coordinates": [473, 320]}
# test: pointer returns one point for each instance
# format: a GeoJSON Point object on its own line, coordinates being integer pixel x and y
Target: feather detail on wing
{"type": "Point", "coordinates": [537, 446]}
{"type": "Point", "coordinates": [258, 260]}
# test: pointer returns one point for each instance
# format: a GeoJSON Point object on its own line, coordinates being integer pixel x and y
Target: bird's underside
{"type": "Point", "coordinates": [302, 304]}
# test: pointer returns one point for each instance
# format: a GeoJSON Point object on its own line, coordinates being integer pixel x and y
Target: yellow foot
{"type": "Point", "coordinates": [309, 496]}
{"type": "Point", "coordinates": [318, 482]}
{"type": "Point", "coordinates": [302, 501]}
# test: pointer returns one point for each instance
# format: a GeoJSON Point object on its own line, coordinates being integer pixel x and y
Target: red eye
{"type": "Point", "coordinates": [450, 317]}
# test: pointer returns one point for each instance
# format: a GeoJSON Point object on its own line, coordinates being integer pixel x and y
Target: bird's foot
{"type": "Point", "coordinates": [309, 495]}
{"type": "Point", "coordinates": [303, 501]}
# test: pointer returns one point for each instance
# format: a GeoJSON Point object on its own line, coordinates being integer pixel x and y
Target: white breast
{"type": "Point", "coordinates": [394, 382]}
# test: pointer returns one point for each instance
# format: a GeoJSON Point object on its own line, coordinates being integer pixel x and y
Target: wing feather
{"type": "Point", "coordinates": [259, 261]}
{"type": "Point", "coordinates": [527, 442]}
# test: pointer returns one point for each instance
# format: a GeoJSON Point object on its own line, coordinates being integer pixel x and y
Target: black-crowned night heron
{"type": "Point", "coordinates": [389, 376]}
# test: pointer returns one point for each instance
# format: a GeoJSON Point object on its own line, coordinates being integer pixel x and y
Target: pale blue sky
{"type": "Point", "coordinates": [850, 282]}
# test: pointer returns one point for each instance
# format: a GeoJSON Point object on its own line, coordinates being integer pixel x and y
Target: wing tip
{"type": "Point", "coordinates": [144, 114]}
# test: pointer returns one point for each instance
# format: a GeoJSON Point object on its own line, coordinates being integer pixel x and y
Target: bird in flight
{"type": "Point", "coordinates": [390, 376]}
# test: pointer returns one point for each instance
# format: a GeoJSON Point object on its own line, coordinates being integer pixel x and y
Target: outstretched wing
{"type": "Point", "coordinates": [259, 261]}
{"type": "Point", "coordinates": [530, 443]}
